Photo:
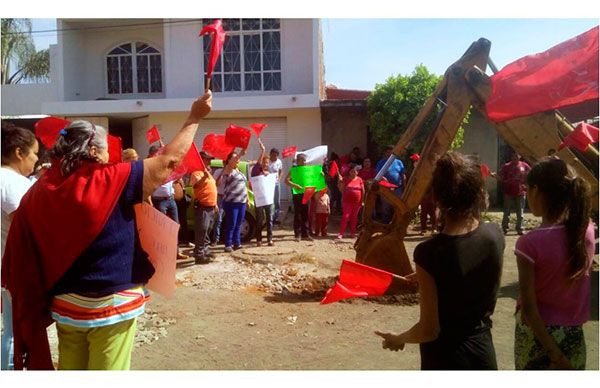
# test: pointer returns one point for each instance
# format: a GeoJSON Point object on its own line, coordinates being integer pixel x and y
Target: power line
{"type": "Point", "coordinates": [103, 27]}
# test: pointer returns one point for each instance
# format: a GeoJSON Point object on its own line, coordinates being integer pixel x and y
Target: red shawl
{"type": "Point", "coordinates": [57, 220]}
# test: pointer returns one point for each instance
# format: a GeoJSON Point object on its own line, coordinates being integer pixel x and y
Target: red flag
{"type": "Point", "coordinates": [288, 151]}
{"type": "Point", "coordinates": [237, 136]}
{"type": "Point", "coordinates": [309, 191]}
{"type": "Point", "coordinates": [47, 130]}
{"type": "Point", "coordinates": [566, 74]}
{"type": "Point", "coordinates": [485, 170]}
{"type": "Point", "coordinates": [257, 128]}
{"type": "Point", "coordinates": [190, 163]}
{"type": "Point", "coordinates": [216, 28]}
{"type": "Point", "coordinates": [415, 157]}
{"type": "Point", "coordinates": [358, 280]}
{"type": "Point", "coordinates": [583, 135]}
{"type": "Point", "coordinates": [217, 146]}
{"type": "Point", "coordinates": [115, 149]}
{"type": "Point", "coordinates": [387, 184]}
{"type": "Point", "coordinates": [152, 135]}
{"type": "Point", "coordinates": [333, 169]}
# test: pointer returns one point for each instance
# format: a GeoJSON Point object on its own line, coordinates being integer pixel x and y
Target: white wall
{"type": "Point", "coordinates": [26, 99]}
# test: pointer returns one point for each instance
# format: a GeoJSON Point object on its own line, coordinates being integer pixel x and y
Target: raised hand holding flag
{"type": "Point", "coordinates": [216, 28]}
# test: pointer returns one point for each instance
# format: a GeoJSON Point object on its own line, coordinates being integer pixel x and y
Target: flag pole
{"type": "Point", "coordinates": [206, 83]}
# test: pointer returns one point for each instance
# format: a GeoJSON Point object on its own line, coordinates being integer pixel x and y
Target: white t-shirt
{"type": "Point", "coordinates": [13, 187]}
{"type": "Point", "coordinates": [275, 166]}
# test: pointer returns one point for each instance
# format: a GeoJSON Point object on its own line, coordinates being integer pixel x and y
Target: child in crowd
{"type": "Point", "coordinates": [458, 272]}
{"type": "Point", "coordinates": [554, 263]}
{"type": "Point", "coordinates": [322, 210]}
{"type": "Point", "coordinates": [353, 193]}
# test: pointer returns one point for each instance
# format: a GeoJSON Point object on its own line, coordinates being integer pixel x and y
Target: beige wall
{"type": "Point", "coordinates": [345, 128]}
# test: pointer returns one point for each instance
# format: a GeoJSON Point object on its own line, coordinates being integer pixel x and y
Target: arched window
{"type": "Point", "coordinates": [124, 75]}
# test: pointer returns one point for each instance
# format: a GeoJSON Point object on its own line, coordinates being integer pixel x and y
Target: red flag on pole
{"type": "Point", "coordinates": [582, 136]}
{"type": "Point", "coordinates": [333, 169]}
{"type": "Point", "coordinates": [115, 149]}
{"type": "Point", "coordinates": [215, 28]}
{"type": "Point", "coordinates": [358, 280]}
{"type": "Point", "coordinates": [288, 151]}
{"type": "Point", "coordinates": [47, 129]}
{"type": "Point", "coordinates": [566, 74]}
{"type": "Point", "coordinates": [217, 146]}
{"type": "Point", "coordinates": [152, 135]}
{"type": "Point", "coordinates": [485, 170]}
{"type": "Point", "coordinates": [309, 191]}
{"type": "Point", "coordinates": [237, 136]}
{"type": "Point", "coordinates": [257, 128]}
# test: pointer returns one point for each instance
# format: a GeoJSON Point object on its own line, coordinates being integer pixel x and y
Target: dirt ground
{"type": "Point", "coordinates": [258, 309]}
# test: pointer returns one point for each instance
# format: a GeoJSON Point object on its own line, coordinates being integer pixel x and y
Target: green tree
{"type": "Point", "coordinates": [20, 60]}
{"type": "Point", "coordinates": [394, 104]}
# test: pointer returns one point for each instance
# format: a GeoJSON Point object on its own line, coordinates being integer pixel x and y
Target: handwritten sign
{"type": "Point", "coordinates": [264, 189]}
{"type": "Point", "coordinates": [158, 236]}
{"type": "Point", "coordinates": [308, 176]}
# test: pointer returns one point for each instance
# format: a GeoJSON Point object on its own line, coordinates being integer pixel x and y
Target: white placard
{"type": "Point", "coordinates": [316, 155]}
{"type": "Point", "coordinates": [263, 187]}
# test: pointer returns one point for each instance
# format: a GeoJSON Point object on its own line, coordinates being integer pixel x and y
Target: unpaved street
{"type": "Point", "coordinates": [259, 310]}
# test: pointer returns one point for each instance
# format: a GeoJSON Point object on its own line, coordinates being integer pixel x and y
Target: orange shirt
{"type": "Point", "coordinates": [205, 188]}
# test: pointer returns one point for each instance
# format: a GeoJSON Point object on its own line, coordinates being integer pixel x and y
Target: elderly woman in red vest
{"type": "Point", "coordinates": [73, 254]}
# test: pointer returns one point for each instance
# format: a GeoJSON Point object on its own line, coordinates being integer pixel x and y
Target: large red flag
{"type": "Point", "coordinates": [152, 135]}
{"type": "Point", "coordinates": [47, 129]}
{"type": "Point", "coordinates": [583, 135]}
{"type": "Point", "coordinates": [257, 128]}
{"type": "Point", "coordinates": [288, 151]}
{"type": "Point", "coordinates": [387, 184]}
{"type": "Point", "coordinates": [216, 28]}
{"type": "Point", "coordinates": [115, 149]}
{"type": "Point", "coordinates": [358, 280]}
{"type": "Point", "coordinates": [309, 191]}
{"type": "Point", "coordinates": [237, 136]}
{"type": "Point", "coordinates": [333, 169]}
{"type": "Point", "coordinates": [217, 146]}
{"type": "Point", "coordinates": [564, 75]}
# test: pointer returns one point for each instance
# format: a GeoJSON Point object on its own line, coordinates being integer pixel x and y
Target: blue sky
{"type": "Point", "coordinates": [360, 53]}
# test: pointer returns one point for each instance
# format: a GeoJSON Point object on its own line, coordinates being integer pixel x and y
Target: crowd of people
{"type": "Point", "coordinates": [82, 266]}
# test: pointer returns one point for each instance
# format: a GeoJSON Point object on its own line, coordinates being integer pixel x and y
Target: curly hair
{"type": "Point", "coordinates": [74, 143]}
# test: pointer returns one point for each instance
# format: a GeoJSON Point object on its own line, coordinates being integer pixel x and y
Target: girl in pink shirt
{"type": "Point", "coordinates": [554, 263]}
{"type": "Point", "coordinates": [353, 192]}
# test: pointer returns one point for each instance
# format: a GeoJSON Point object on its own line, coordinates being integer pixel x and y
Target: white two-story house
{"type": "Point", "coordinates": [131, 74]}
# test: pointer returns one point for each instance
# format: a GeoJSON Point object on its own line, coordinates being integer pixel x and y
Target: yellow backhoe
{"type": "Point", "coordinates": [464, 85]}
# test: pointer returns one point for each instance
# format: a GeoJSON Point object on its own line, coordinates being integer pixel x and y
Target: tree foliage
{"type": "Point", "coordinates": [394, 104]}
{"type": "Point", "coordinates": [20, 60]}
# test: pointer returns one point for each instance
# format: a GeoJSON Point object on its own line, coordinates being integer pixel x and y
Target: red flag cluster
{"type": "Point", "coordinates": [215, 28]}
{"type": "Point", "coordinates": [583, 135]}
{"type": "Point", "coordinates": [566, 74]}
{"type": "Point", "coordinates": [358, 280]}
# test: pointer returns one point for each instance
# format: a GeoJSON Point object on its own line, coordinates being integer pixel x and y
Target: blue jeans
{"type": "Point", "coordinates": [167, 206]}
{"type": "Point", "coordinates": [276, 203]}
{"type": "Point", "coordinates": [234, 216]}
{"type": "Point", "coordinates": [518, 203]}
{"type": "Point", "coordinates": [7, 332]}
